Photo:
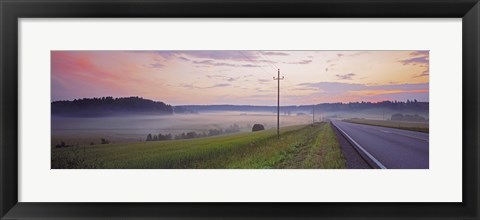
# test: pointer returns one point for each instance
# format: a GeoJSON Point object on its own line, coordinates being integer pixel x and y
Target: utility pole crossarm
{"type": "Point", "coordinates": [278, 102]}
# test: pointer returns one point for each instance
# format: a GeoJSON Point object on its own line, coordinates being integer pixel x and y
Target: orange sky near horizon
{"type": "Point", "coordinates": [242, 77]}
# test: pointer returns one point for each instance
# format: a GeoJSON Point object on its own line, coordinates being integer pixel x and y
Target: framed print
{"type": "Point", "coordinates": [88, 132]}
{"type": "Point", "coordinates": [226, 109]}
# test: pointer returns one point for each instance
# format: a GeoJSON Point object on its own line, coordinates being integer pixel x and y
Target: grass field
{"type": "Point", "coordinates": [303, 146]}
{"type": "Point", "coordinates": [412, 126]}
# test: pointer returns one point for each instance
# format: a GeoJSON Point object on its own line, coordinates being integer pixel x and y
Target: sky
{"type": "Point", "coordinates": [242, 77]}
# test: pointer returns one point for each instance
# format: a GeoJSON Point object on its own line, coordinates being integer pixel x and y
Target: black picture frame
{"type": "Point", "coordinates": [12, 10]}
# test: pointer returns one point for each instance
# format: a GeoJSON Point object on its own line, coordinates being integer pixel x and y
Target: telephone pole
{"type": "Point", "coordinates": [278, 103]}
{"type": "Point", "coordinates": [313, 115]}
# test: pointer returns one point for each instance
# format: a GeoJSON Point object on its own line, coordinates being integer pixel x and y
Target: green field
{"type": "Point", "coordinates": [412, 126]}
{"type": "Point", "coordinates": [303, 146]}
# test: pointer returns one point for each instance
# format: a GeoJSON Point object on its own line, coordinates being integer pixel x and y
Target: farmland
{"type": "Point", "coordinates": [405, 125]}
{"type": "Point", "coordinates": [135, 128]}
{"type": "Point", "coordinates": [299, 146]}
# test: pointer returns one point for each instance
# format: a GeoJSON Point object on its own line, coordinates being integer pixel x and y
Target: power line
{"type": "Point", "coordinates": [254, 63]}
{"type": "Point", "coordinates": [269, 61]}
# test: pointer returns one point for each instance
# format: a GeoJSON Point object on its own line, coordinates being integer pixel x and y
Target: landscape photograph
{"type": "Point", "coordinates": [239, 109]}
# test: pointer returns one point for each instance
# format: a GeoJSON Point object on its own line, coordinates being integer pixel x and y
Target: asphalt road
{"type": "Point", "coordinates": [391, 148]}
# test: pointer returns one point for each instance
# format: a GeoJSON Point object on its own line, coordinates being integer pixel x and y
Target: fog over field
{"type": "Point", "coordinates": [134, 128]}
{"type": "Point", "coordinates": [81, 130]}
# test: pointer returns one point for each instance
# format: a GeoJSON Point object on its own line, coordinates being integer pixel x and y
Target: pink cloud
{"type": "Point", "coordinates": [88, 74]}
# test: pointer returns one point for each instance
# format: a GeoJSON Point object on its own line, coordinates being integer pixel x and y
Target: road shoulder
{"type": "Point", "coordinates": [353, 158]}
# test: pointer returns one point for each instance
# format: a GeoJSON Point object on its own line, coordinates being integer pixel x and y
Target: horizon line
{"type": "Point", "coordinates": [238, 104]}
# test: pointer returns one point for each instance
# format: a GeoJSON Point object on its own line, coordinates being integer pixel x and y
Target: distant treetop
{"type": "Point", "coordinates": [107, 106]}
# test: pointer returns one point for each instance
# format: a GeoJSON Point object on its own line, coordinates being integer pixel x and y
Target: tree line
{"type": "Point", "coordinates": [106, 106]}
{"type": "Point", "coordinates": [413, 105]}
{"type": "Point", "coordinates": [62, 143]}
{"type": "Point", "coordinates": [192, 134]}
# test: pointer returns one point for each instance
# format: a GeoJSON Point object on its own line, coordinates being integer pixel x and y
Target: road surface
{"type": "Point", "coordinates": [388, 147]}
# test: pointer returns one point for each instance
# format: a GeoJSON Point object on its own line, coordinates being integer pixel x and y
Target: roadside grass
{"type": "Point", "coordinates": [411, 126]}
{"type": "Point", "coordinates": [304, 146]}
{"type": "Point", "coordinates": [276, 153]}
{"type": "Point", "coordinates": [326, 152]}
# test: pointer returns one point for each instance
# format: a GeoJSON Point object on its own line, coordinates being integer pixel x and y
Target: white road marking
{"type": "Point", "coordinates": [412, 137]}
{"type": "Point", "coordinates": [362, 149]}
{"type": "Point", "coordinates": [389, 132]}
